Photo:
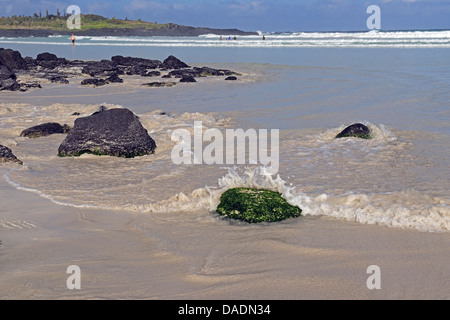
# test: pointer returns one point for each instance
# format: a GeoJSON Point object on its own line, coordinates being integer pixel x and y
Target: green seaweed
{"type": "Point", "coordinates": [256, 205]}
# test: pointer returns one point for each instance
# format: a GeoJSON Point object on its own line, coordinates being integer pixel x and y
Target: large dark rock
{"type": "Point", "coordinates": [115, 132]}
{"type": "Point", "coordinates": [172, 62]}
{"type": "Point", "coordinates": [256, 205]}
{"type": "Point", "coordinates": [45, 129]}
{"type": "Point", "coordinates": [12, 59]}
{"type": "Point", "coordinates": [357, 130]}
{"type": "Point", "coordinates": [6, 155]}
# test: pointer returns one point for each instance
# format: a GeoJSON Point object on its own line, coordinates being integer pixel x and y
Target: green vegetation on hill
{"type": "Point", "coordinates": [58, 22]}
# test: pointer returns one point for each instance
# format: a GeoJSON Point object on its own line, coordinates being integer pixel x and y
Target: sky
{"type": "Point", "coordinates": [256, 15]}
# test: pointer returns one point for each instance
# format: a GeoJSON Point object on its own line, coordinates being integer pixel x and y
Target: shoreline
{"type": "Point", "coordinates": [120, 259]}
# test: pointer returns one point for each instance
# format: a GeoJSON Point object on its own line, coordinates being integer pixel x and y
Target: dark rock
{"type": "Point", "coordinates": [172, 62]}
{"type": "Point", "coordinates": [12, 59]}
{"type": "Point", "coordinates": [159, 84]}
{"type": "Point", "coordinates": [232, 78]}
{"type": "Point", "coordinates": [188, 79]}
{"type": "Point", "coordinates": [30, 62]}
{"type": "Point", "coordinates": [9, 84]}
{"type": "Point", "coordinates": [31, 85]}
{"type": "Point", "coordinates": [75, 114]}
{"type": "Point", "coordinates": [58, 79]}
{"type": "Point", "coordinates": [180, 73]}
{"type": "Point", "coordinates": [357, 130]}
{"type": "Point", "coordinates": [256, 205]}
{"type": "Point", "coordinates": [104, 67]}
{"type": "Point", "coordinates": [138, 69]}
{"type": "Point", "coordinates": [166, 76]}
{"type": "Point", "coordinates": [94, 82]}
{"type": "Point", "coordinates": [45, 129]}
{"type": "Point", "coordinates": [114, 79]}
{"type": "Point", "coordinates": [6, 73]}
{"type": "Point", "coordinates": [206, 71]}
{"type": "Point", "coordinates": [130, 61]}
{"type": "Point", "coordinates": [46, 56]}
{"type": "Point", "coordinates": [49, 60]}
{"type": "Point", "coordinates": [6, 155]}
{"type": "Point", "coordinates": [152, 74]}
{"type": "Point", "coordinates": [115, 132]}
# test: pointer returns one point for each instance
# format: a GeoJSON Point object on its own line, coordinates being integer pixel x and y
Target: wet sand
{"type": "Point", "coordinates": [307, 258]}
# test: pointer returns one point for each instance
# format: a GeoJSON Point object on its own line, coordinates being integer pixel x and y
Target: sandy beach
{"type": "Point", "coordinates": [309, 258]}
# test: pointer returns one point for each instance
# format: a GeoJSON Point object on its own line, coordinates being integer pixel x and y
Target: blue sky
{"type": "Point", "coordinates": [252, 15]}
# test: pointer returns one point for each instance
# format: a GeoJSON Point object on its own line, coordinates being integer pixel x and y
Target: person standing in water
{"type": "Point", "coordinates": [73, 39]}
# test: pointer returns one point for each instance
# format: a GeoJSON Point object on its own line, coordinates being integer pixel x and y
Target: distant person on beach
{"type": "Point", "coordinates": [234, 38]}
{"type": "Point", "coordinates": [220, 38]}
{"type": "Point", "coordinates": [264, 37]}
{"type": "Point", "coordinates": [73, 39]}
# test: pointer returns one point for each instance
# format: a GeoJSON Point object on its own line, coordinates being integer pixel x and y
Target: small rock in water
{"type": "Point", "coordinates": [160, 84]}
{"type": "Point", "coordinates": [45, 129]}
{"type": "Point", "coordinates": [6, 155]}
{"type": "Point", "coordinates": [188, 79]}
{"type": "Point", "coordinates": [231, 78]}
{"type": "Point", "coordinates": [94, 82]}
{"type": "Point", "coordinates": [256, 205]}
{"type": "Point", "coordinates": [357, 130]}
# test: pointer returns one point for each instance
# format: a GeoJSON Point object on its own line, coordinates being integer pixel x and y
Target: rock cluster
{"type": "Point", "coordinates": [47, 66]}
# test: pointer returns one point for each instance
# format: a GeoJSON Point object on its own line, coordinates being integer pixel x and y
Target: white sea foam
{"type": "Point", "coordinates": [408, 39]}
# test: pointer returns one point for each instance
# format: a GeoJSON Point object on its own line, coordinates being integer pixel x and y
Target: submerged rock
{"type": "Point", "coordinates": [256, 205]}
{"type": "Point", "coordinates": [159, 84]}
{"type": "Point", "coordinates": [232, 78]}
{"type": "Point", "coordinates": [6, 155]}
{"type": "Point", "coordinates": [188, 79]}
{"type": "Point", "coordinates": [45, 129]}
{"type": "Point", "coordinates": [357, 130]}
{"type": "Point", "coordinates": [114, 132]}
{"type": "Point", "coordinates": [93, 82]}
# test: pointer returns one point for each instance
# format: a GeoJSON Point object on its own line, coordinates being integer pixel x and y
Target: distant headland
{"type": "Point", "coordinates": [40, 25]}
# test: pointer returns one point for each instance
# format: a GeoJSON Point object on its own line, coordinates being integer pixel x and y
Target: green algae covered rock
{"type": "Point", "coordinates": [256, 205]}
